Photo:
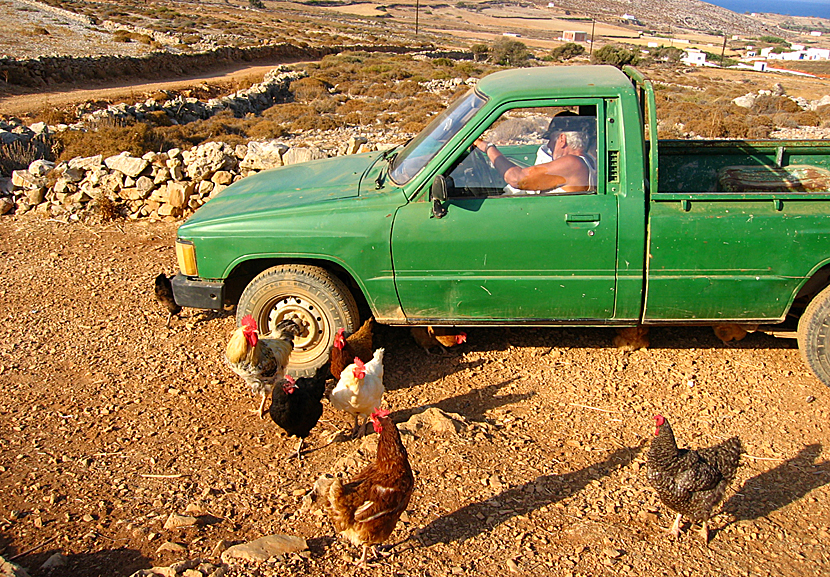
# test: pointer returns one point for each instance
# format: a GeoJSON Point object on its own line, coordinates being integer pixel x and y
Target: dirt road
{"type": "Point", "coordinates": [111, 422]}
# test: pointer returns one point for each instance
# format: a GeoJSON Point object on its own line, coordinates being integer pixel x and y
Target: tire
{"type": "Point", "coordinates": [814, 336]}
{"type": "Point", "coordinates": [319, 298]}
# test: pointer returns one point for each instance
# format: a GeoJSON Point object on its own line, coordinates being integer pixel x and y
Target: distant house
{"type": "Point", "coordinates": [694, 57]}
{"type": "Point", "coordinates": [760, 66]}
{"type": "Point", "coordinates": [815, 33]}
{"type": "Point", "coordinates": [574, 36]}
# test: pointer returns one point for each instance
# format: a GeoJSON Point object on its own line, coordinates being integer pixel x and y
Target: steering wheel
{"type": "Point", "coordinates": [485, 176]}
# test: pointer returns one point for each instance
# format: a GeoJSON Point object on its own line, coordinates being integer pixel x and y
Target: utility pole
{"type": "Point", "coordinates": [591, 47]}
{"type": "Point", "coordinates": [417, 9]}
{"type": "Point", "coordinates": [723, 50]}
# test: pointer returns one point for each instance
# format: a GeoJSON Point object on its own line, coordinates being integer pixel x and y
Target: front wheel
{"type": "Point", "coordinates": [320, 300]}
{"type": "Point", "coordinates": [814, 336]}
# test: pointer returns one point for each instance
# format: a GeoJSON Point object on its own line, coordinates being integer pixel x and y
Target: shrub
{"type": "Point", "coordinates": [567, 51]}
{"type": "Point", "coordinates": [614, 55]}
{"type": "Point", "coordinates": [509, 52]}
{"type": "Point", "coordinates": [480, 52]}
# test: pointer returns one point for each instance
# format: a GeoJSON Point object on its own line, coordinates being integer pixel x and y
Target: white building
{"type": "Point", "coordinates": [694, 57]}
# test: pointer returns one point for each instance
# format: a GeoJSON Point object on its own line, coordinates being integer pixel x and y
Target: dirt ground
{"type": "Point", "coordinates": [111, 422]}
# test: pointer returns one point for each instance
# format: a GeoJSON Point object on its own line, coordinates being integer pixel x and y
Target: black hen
{"type": "Point", "coordinates": [164, 295]}
{"type": "Point", "coordinates": [689, 482]}
{"type": "Point", "coordinates": [296, 406]}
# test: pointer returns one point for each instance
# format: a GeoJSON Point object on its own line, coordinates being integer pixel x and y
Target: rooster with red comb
{"type": "Point", "coordinates": [261, 360]}
{"type": "Point", "coordinates": [359, 389]}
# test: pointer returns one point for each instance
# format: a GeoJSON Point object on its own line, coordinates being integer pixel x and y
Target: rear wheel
{"type": "Point", "coordinates": [814, 336]}
{"type": "Point", "coordinates": [320, 300]}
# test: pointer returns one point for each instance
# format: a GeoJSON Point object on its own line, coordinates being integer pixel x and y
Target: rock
{"type": "Point", "coordinates": [297, 155]}
{"type": "Point", "coordinates": [170, 547]}
{"type": "Point", "coordinates": [86, 163]}
{"type": "Point", "coordinates": [263, 155]}
{"type": "Point", "coordinates": [9, 569]}
{"type": "Point", "coordinates": [178, 193]}
{"type": "Point", "coordinates": [264, 548]}
{"type": "Point", "coordinates": [56, 560]}
{"type": "Point", "coordinates": [126, 164]}
{"type": "Point", "coordinates": [354, 144]}
{"type": "Point", "coordinates": [435, 420]}
{"type": "Point", "coordinates": [222, 177]}
{"type": "Point", "coordinates": [220, 548]}
{"type": "Point", "coordinates": [174, 521]}
{"type": "Point", "coordinates": [25, 179]}
{"type": "Point", "coordinates": [745, 101]}
{"type": "Point", "coordinates": [41, 167]}
{"type": "Point", "coordinates": [6, 205]}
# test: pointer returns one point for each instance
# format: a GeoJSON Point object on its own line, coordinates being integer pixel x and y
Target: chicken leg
{"type": "Point", "coordinates": [674, 530]}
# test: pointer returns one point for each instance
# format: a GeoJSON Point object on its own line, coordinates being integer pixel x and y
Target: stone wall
{"type": "Point", "coordinates": [157, 185]}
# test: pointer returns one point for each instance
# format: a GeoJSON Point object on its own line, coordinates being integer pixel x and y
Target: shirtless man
{"type": "Point", "coordinates": [564, 167]}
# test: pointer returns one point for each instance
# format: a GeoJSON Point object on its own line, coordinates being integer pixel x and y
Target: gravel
{"type": "Point", "coordinates": [113, 423]}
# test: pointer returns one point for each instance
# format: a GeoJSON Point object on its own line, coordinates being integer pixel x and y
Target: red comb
{"type": "Point", "coordinates": [290, 379]}
{"type": "Point", "coordinates": [380, 413]}
{"type": "Point", "coordinates": [461, 338]}
{"type": "Point", "coordinates": [249, 322]}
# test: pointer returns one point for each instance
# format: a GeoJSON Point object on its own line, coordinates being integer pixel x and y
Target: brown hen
{"type": "Point", "coordinates": [445, 337]}
{"type": "Point", "coordinates": [345, 349]}
{"type": "Point", "coordinates": [366, 509]}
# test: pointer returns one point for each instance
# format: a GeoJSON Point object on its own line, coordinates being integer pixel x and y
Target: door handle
{"type": "Point", "coordinates": [582, 218]}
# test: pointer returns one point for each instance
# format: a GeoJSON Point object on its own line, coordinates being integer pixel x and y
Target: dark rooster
{"type": "Point", "coordinates": [690, 482]}
{"type": "Point", "coordinates": [164, 295]}
{"type": "Point", "coordinates": [297, 405]}
{"type": "Point", "coordinates": [367, 508]}
{"type": "Point", "coordinates": [345, 349]}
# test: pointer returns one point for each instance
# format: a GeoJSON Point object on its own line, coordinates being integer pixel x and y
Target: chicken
{"type": "Point", "coordinates": [366, 509]}
{"type": "Point", "coordinates": [444, 337]}
{"type": "Point", "coordinates": [729, 332]}
{"type": "Point", "coordinates": [631, 338]}
{"type": "Point", "coordinates": [360, 389]}
{"type": "Point", "coordinates": [296, 406]}
{"type": "Point", "coordinates": [164, 295]}
{"type": "Point", "coordinates": [357, 344]}
{"type": "Point", "coordinates": [261, 362]}
{"type": "Point", "coordinates": [690, 482]}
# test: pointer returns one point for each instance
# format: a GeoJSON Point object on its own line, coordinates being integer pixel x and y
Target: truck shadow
{"type": "Point", "coordinates": [481, 517]}
{"type": "Point", "coordinates": [406, 364]}
{"type": "Point", "coordinates": [780, 486]}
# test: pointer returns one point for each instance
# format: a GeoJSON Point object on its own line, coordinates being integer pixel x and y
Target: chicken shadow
{"type": "Point", "coordinates": [106, 563]}
{"type": "Point", "coordinates": [780, 486]}
{"type": "Point", "coordinates": [471, 405]}
{"type": "Point", "coordinates": [476, 518]}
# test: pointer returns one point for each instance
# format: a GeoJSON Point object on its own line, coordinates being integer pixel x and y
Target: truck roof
{"type": "Point", "coordinates": [564, 81]}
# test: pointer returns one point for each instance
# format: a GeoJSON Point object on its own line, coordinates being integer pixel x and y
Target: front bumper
{"type": "Point", "coordinates": [199, 294]}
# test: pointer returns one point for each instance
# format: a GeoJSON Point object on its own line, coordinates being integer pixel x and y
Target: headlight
{"type": "Point", "coordinates": [186, 255]}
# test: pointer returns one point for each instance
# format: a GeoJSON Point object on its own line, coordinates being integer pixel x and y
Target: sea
{"type": "Point", "coordinates": [790, 8]}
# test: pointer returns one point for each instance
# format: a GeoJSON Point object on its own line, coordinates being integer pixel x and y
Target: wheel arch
{"type": "Point", "coordinates": [817, 280]}
{"type": "Point", "coordinates": [243, 273]}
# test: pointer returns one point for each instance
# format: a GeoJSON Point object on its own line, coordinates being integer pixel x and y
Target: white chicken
{"type": "Point", "coordinates": [360, 389]}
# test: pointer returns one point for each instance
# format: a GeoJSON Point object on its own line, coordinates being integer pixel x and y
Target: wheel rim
{"type": "Point", "coordinates": [316, 325]}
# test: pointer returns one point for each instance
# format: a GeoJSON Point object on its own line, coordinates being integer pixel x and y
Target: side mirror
{"type": "Point", "coordinates": [438, 195]}
{"type": "Point", "coordinates": [438, 190]}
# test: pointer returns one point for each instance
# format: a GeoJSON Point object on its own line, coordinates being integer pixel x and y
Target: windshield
{"type": "Point", "coordinates": [415, 155]}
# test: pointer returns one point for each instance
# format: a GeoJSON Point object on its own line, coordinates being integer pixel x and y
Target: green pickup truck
{"type": "Point", "coordinates": [673, 232]}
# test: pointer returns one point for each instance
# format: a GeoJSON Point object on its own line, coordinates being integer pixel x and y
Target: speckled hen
{"type": "Point", "coordinates": [690, 482]}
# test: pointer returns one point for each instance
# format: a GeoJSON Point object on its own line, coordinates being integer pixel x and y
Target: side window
{"type": "Point", "coordinates": [532, 142]}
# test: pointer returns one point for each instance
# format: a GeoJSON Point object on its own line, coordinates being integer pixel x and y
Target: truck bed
{"type": "Point", "coordinates": [739, 224]}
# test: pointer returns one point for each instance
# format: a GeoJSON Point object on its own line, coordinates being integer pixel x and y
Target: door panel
{"type": "Point", "coordinates": [507, 258]}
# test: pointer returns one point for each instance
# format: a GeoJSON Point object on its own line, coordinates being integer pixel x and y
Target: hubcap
{"type": "Point", "coordinates": [307, 313]}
